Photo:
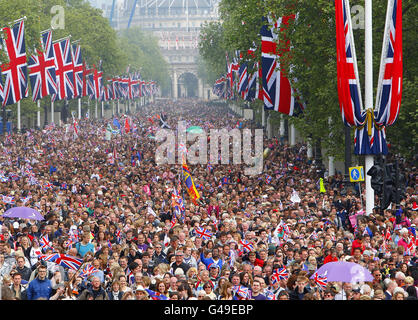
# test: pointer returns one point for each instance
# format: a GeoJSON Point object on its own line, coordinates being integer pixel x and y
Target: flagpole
{"type": "Point", "coordinates": [18, 116]}
{"type": "Point", "coordinates": [103, 110]}
{"type": "Point", "coordinates": [79, 108]}
{"type": "Point", "coordinates": [38, 120]}
{"type": "Point", "coordinates": [52, 111]}
{"type": "Point", "coordinates": [369, 159]}
{"type": "Point", "coordinates": [95, 110]}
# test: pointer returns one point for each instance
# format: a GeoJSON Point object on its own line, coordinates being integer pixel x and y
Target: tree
{"type": "Point", "coordinates": [143, 53]}
{"type": "Point", "coordinates": [311, 62]}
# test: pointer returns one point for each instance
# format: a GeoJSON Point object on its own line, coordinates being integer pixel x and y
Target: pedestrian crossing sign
{"type": "Point", "coordinates": [356, 174]}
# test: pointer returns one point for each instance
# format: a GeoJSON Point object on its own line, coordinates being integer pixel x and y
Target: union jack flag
{"type": "Point", "coordinates": [65, 261]}
{"type": "Point", "coordinates": [42, 69]}
{"type": "Point", "coordinates": [97, 77]}
{"type": "Point", "coordinates": [9, 199]}
{"type": "Point", "coordinates": [177, 203]}
{"type": "Point", "coordinates": [389, 88]}
{"type": "Point", "coordinates": [45, 243]}
{"type": "Point", "coordinates": [87, 84]}
{"type": "Point", "coordinates": [77, 70]}
{"type": "Point", "coordinates": [68, 243]}
{"type": "Point", "coordinates": [49, 257]}
{"type": "Point", "coordinates": [270, 295]}
{"type": "Point", "coordinates": [243, 79]}
{"type": "Point", "coordinates": [156, 295]}
{"type": "Point", "coordinates": [280, 274]}
{"type": "Point", "coordinates": [241, 292]}
{"type": "Point", "coordinates": [74, 235]}
{"type": "Point", "coordinates": [247, 246]}
{"type": "Point", "coordinates": [321, 281]}
{"type": "Point", "coordinates": [115, 88]}
{"type": "Point", "coordinates": [278, 94]}
{"type": "Point", "coordinates": [64, 70]}
{"type": "Point", "coordinates": [203, 233]}
{"type": "Point", "coordinates": [314, 235]}
{"type": "Point", "coordinates": [254, 91]}
{"type": "Point", "coordinates": [15, 72]}
{"type": "Point", "coordinates": [87, 270]}
{"type": "Point", "coordinates": [347, 73]}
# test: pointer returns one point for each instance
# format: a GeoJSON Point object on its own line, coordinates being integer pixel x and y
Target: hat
{"type": "Point", "coordinates": [404, 231]}
{"type": "Point", "coordinates": [348, 258]}
{"type": "Point", "coordinates": [140, 288]}
{"type": "Point", "coordinates": [367, 253]}
{"type": "Point", "coordinates": [179, 272]}
{"type": "Point", "coordinates": [356, 290]}
{"type": "Point", "coordinates": [213, 265]}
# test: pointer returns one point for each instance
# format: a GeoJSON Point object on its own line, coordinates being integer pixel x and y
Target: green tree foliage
{"type": "Point", "coordinates": [212, 51]}
{"type": "Point", "coordinates": [311, 62]}
{"type": "Point", "coordinates": [144, 54]}
{"type": "Point", "coordinates": [98, 41]}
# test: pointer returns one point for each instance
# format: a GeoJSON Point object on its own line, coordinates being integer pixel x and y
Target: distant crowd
{"type": "Point", "coordinates": [106, 203]}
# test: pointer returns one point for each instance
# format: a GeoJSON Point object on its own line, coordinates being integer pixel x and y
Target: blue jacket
{"type": "Point", "coordinates": [39, 289]}
{"type": "Point", "coordinates": [209, 261]}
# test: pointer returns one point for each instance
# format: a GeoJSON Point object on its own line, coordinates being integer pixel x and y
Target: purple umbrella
{"type": "Point", "coordinates": [344, 271]}
{"type": "Point", "coordinates": [23, 213]}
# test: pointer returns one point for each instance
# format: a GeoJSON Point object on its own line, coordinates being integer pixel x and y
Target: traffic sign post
{"type": "Point", "coordinates": [357, 175]}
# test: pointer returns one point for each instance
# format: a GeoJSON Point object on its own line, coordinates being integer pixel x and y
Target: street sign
{"type": "Point", "coordinates": [356, 174]}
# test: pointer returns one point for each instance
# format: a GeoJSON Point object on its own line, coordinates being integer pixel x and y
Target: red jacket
{"type": "Point", "coordinates": [329, 258]}
{"type": "Point", "coordinates": [357, 244]}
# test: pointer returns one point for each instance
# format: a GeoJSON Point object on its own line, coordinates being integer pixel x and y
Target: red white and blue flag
{"type": "Point", "coordinates": [320, 280]}
{"type": "Point", "coordinates": [389, 88]}
{"type": "Point", "coordinates": [203, 233]}
{"type": "Point", "coordinates": [87, 85]}
{"type": "Point", "coordinates": [42, 69]}
{"type": "Point", "coordinates": [247, 246]}
{"type": "Point", "coordinates": [64, 70]}
{"type": "Point", "coordinates": [277, 94]}
{"type": "Point", "coordinates": [97, 78]}
{"type": "Point", "coordinates": [280, 274]}
{"type": "Point", "coordinates": [87, 270]}
{"type": "Point", "coordinates": [77, 70]}
{"type": "Point", "coordinates": [156, 295]}
{"type": "Point", "coordinates": [45, 243]}
{"type": "Point", "coordinates": [15, 71]}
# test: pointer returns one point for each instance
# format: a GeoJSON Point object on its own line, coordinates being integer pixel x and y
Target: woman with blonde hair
{"type": "Point", "coordinates": [191, 273]}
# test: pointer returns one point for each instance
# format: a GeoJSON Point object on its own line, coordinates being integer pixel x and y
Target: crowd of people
{"type": "Point", "coordinates": [105, 202]}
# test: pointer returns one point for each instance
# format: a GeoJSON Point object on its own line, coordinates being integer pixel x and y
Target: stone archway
{"type": "Point", "coordinates": [188, 85]}
{"type": "Point", "coordinates": [184, 83]}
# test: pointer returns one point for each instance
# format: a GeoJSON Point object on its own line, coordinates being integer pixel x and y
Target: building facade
{"type": "Point", "coordinates": [176, 24]}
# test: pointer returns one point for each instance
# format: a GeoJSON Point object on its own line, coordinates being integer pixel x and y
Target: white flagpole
{"type": "Point", "coordinates": [103, 110]}
{"type": "Point", "coordinates": [369, 159]}
{"type": "Point", "coordinates": [79, 108]}
{"type": "Point", "coordinates": [38, 120]}
{"type": "Point", "coordinates": [18, 116]}
{"type": "Point", "coordinates": [52, 111]}
{"type": "Point", "coordinates": [95, 110]}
